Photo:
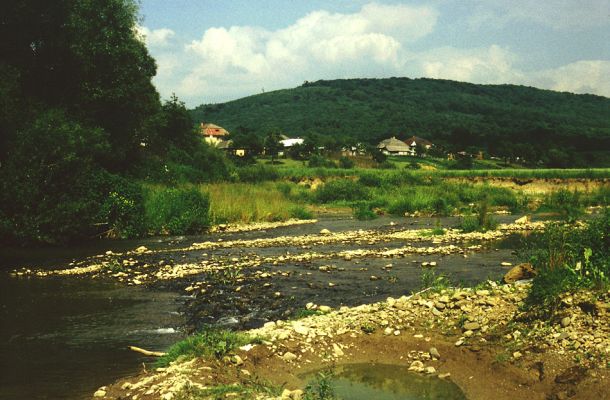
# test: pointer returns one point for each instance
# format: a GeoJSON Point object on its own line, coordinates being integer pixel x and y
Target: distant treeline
{"type": "Point", "coordinates": [542, 127]}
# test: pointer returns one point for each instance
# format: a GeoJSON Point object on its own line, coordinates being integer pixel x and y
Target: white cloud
{"type": "Point", "coordinates": [319, 45]}
{"type": "Point", "coordinates": [486, 65]}
{"type": "Point", "coordinates": [585, 76]}
{"type": "Point", "coordinates": [156, 37]}
{"type": "Point", "coordinates": [379, 40]}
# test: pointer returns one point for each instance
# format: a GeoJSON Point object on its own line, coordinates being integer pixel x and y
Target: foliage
{"type": "Point", "coordinates": [272, 145]}
{"type": "Point", "coordinates": [50, 188]}
{"type": "Point", "coordinates": [123, 209]}
{"type": "Point", "coordinates": [436, 282]}
{"type": "Point", "coordinates": [207, 343]}
{"type": "Point", "coordinates": [317, 161]}
{"type": "Point", "coordinates": [508, 121]}
{"type": "Point", "coordinates": [568, 204]}
{"type": "Point", "coordinates": [245, 203]}
{"type": "Point", "coordinates": [482, 221]}
{"type": "Point", "coordinates": [566, 258]}
{"type": "Point", "coordinates": [346, 162]}
{"type": "Point", "coordinates": [320, 388]}
{"type": "Point", "coordinates": [341, 190]}
{"type": "Point", "coordinates": [300, 212]}
{"type": "Point", "coordinates": [363, 211]}
{"type": "Point", "coordinates": [257, 173]}
{"type": "Point", "coordinates": [177, 211]}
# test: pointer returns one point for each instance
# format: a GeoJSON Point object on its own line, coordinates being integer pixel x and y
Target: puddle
{"type": "Point", "coordinates": [388, 382]}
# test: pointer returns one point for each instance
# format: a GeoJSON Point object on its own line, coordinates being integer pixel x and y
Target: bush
{"type": "Point", "coordinates": [177, 211]}
{"type": "Point", "coordinates": [386, 165]}
{"type": "Point", "coordinates": [300, 212]}
{"type": "Point", "coordinates": [363, 211]}
{"type": "Point", "coordinates": [52, 187]}
{"type": "Point", "coordinates": [370, 179]}
{"type": "Point", "coordinates": [346, 163]}
{"type": "Point", "coordinates": [567, 204]}
{"type": "Point", "coordinates": [317, 161]}
{"type": "Point", "coordinates": [341, 190]}
{"type": "Point", "coordinates": [208, 343]}
{"type": "Point", "coordinates": [257, 173]}
{"type": "Point", "coordinates": [566, 259]}
{"type": "Point", "coordinates": [123, 209]}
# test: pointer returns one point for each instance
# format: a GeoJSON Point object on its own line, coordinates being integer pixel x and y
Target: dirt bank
{"type": "Point", "coordinates": [477, 338]}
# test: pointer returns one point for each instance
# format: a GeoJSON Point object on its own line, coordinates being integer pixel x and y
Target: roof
{"type": "Point", "coordinates": [416, 140]}
{"type": "Point", "coordinates": [393, 145]}
{"type": "Point", "coordinates": [212, 130]}
{"type": "Point", "coordinates": [291, 142]}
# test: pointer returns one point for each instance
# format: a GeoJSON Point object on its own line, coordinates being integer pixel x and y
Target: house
{"type": "Point", "coordinates": [395, 147]}
{"type": "Point", "coordinates": [289, 142]}
{"type": "Point", "coordinates": [213, 134]}
{"type": "Point", "coordinates": [415, 143]}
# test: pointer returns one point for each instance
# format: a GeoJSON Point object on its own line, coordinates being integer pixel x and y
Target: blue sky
{"type": "Point", "coordinates": [215, 51]}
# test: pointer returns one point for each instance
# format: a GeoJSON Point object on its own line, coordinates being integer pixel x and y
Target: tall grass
{"type": "Point", "coordinates": [176, 211]}
{"type": "Point", "coordinates": [245, 203]}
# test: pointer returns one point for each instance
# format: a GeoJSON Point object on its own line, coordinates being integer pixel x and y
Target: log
{"type": "Point", "coordinates": [147, 352]}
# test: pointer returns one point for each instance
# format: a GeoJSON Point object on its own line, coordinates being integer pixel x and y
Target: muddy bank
{"type": "Point", "coordinates": [478, 339]}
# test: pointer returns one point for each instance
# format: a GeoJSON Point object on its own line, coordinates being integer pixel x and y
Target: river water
{"type": "Point", "coordinates": [63, 337]}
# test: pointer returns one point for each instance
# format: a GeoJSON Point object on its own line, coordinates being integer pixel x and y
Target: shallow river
{"type": "Point", "coordinates": [62, 338]}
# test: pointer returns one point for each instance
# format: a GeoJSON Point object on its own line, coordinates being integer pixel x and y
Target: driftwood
{"type": "Point", "coordinates": [147, 352]}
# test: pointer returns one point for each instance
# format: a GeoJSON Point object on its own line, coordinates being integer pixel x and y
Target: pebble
{"type": "Point", "coordinates": [99, 393]}
{"type": "Point", "coordinates": [566, 321]}
{"type": "Point", "coordinates": [434, 352]}
{"type": "Point", "coordinates": [288, 356]}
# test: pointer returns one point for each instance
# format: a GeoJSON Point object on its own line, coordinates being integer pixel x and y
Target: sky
{"type": "Point", "coordinates": [212, 51]}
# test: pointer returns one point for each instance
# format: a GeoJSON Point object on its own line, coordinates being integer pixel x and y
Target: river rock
{"type": "Point", "coordinates": [471, 326]}
{"type": "Point", "coordinates": [325, 232]}
{"type": "Point", "coordinates": [520, 272]}
{"type": "Point", "coordinates": [100, 393]}
{"type": "Point", "coordinates": [434, 352]}
{"type": "Point", "coordinates": [324, 309]}
{"type": "Point", "coordinates": [288, 356]}
{"type": "Point", "coordinates": [566, 321]}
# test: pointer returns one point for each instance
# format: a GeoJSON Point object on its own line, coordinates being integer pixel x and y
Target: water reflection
{"type": "Point", "coordinates": [389, 382]}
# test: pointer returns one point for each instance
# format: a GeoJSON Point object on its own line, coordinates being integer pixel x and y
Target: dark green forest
{"type": "Point", "coordinates": [540, 126]}
{"type": "Point", "coordinates": [82, 124]}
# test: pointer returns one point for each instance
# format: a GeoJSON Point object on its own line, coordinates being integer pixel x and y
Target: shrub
{"type": "Point", "coordinates": [317, 161]}
{"type": "Point", "coordinates": [567, 258]}
{"type": "Point", "coordinates": [300, 212]}
{"type": "Point", "coordinates": [346, 163]}
{"type": "Point", "coordinates": [177, 211]}
{"type": "Point", "coordinates": [321, 388]}
{"type": "Point", "coordinates": [363, 211]}
{"type": "Point", "coordinates": [370, 179]}
{"type": "Point", "coordinates": [341, 190]}
{"type": "Point", "coordinates": [208, 343]}
{"type": "Point", "coordinates": [123, 209]}
{"type": "Point", "coordinates": [386, 165]}
{"type": "Point", "coordinates": [257, 173]}
{"type": "Point", "coordinates": [567, 204]}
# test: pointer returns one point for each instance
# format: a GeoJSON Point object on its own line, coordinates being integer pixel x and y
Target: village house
{"type": "Point", "coordinates": [213, 134]}
{"type": "Point", "coordinates": [415, 141]}
{"type": "Point", "coordinates": [395, 147]}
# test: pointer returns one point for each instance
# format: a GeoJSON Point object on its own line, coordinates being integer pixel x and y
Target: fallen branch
{"type": "Point", "coordinates": [147, 352]}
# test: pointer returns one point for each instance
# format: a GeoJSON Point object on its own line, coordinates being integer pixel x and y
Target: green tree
{"type": "Point", "coordinates": [273, 145]}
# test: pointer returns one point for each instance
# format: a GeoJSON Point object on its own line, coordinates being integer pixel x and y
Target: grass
{"type": "Point", "coordinates": [437, 282]}
{"type": "Point", "coordinates": [247, 202]}
{"type": "Point", "coordinates": [568, 258]}
{"type": "Point", "coordinates": [320, 388]}
{"type": "Point", "coordinates": [251, 391]}
{"type": "Point", "coordinates": [176, 211]}
{"type": "Point", "coordinates": [208, 343]}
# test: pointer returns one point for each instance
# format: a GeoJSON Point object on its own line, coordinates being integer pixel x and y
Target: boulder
{"type": "Point", "coordinates": [520, 272]}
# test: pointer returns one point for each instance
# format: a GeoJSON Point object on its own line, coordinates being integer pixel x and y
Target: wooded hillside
{"type": "Point", "coordinates": [560, 129]}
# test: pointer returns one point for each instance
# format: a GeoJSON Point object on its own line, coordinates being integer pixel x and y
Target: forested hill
{"type": "Point", "coordinates": [504, 120]}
